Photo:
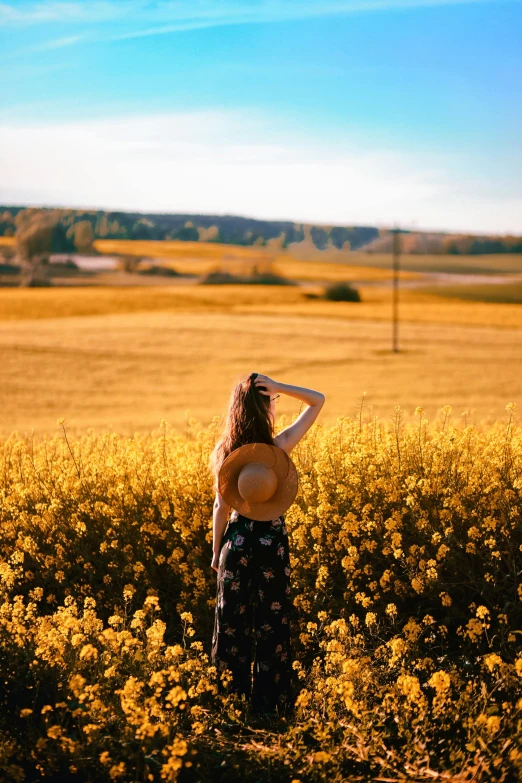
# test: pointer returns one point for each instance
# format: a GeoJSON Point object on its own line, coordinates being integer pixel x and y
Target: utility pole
{"type": "Point", "coordinates": [395, 297]}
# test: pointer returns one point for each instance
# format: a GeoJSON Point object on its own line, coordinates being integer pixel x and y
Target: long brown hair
{"type": "Point", "coordinates": [248, 421]}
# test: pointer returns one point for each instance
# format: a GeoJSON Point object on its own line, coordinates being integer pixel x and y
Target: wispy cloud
{"type": "Point", "coordinates": [235, 162]}
{"type": "Point", "coordinates": [57, 11]}
{"type": "Point", "coordinates": [45, 46]}
{"type": "Point", "coordinates": [25, 70]}
{"type": "Point", "coordinates": [173, 15]}
{"type": "Point", "coordinates": [57, 43]}
{"type": "Point", "coordinates": [114, 20]}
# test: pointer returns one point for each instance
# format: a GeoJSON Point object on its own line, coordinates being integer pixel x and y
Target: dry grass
{"type": "Point", "coordinates": [202, 252]}
{"type": "Point", "coordinates": [415, 307]}
{"type": "Point", "coordinates": [198, 257]}
{"type": "Point", "coordinates": [510, 293]}
{"type": "Point", "coordinates": [128, 357]}
{"type": "Point", "coordinates": [472, 264]}
{"type": "Point", "coordinates": [201, 257]}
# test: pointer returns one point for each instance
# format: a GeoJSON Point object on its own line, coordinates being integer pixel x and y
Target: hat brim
{"type": "Point", "coordinates": [271, 456]}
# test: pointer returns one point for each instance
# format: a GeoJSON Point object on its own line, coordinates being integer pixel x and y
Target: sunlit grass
{"type": "Point", "coordinates": [127, 357]}
{"type": "Point", "coordinates": [201, 257]}
{"type": "Point", "coordinates": [510, 293]}
{"type": "Point", "coordinates": [417, 307]}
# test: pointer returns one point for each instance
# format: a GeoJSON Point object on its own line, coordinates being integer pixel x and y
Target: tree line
{"type": "Point", "coordinates": [41, 232]}
{"type": "Point", "coordinates": [227, 229]}
{"type": "Point", "coordinates": [74, 226]}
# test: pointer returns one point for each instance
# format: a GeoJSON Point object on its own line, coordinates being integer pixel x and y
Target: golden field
{"type": "Point", "coordinates": [123, 351]}
{"type": "Point", "coordinates": [127, 357]}
{"type": "Point", "coordinates": [308, 261]}
{"type": "Point", "coordinates": [405, 537]}
{"type": "Point", "coordinates": [405, 549]}
{"type": "Point", "coordinates": [200, 257]}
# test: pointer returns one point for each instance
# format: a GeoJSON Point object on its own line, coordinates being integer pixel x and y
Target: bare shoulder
{"type": "Point", "coordinates": [281, 440]}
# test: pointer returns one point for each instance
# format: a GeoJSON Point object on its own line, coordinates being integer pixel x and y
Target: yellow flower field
{"type": "Point", "coordinates": [405, 542]}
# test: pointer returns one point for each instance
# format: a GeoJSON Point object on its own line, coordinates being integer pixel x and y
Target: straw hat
{"type": "Point", "coordinates": [259, 481]}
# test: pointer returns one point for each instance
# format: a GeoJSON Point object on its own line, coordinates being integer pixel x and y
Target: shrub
{"type": "Point", "coordinates": [129, 263]}
{"type": "Point", "coordinates": [269, 278]}
{"type": "Point", "coordinates": [65, 268]}
{"type": "Point", "coordinates": [9, 269]}
{"type": "Point", "coordinates": [7, 254]}
{"type": "Point", "coordinates": [341, 292]}
{"type": "Point", "coordinates": [159, 271]}
{"type": "Point", "coordinates": [40, 282]}
{"type": "Point", "coordinates": [217, 277]}
{"type": "Point", "coordinates": [67, 263]}
{"type": "Point", "coordinates": [221, 277]}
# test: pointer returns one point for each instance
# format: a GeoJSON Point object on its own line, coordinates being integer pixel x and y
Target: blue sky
{"type": "Point", "coordinates": [340, 111]}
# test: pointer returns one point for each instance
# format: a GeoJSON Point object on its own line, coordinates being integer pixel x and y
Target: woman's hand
{"type": "Point", "coordinates": [215, 561]}
{"type": "Point", "coordinates": [270, 385]}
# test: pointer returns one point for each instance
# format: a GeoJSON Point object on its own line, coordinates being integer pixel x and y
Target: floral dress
{"type": "Point", "coordinates": [253, 611]}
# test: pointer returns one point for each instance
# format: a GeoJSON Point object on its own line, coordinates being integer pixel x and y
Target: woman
{"type": "Point", "coordinates": [253, 570]}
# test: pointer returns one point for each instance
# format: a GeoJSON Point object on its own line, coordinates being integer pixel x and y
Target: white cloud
{"type": "Point", "coordinates": [237, 163]}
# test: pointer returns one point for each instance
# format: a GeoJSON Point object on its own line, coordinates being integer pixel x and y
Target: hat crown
{"type": "Point", "coordinates": [263, 473]}
{"type": "Point", "coordinates": [256, 482]}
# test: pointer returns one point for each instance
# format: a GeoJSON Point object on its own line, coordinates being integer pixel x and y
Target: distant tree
{"type": "Point", "coordinates": [488, 245]}
{"type": "Point", "coordinates": [449, 246]}
{"type": "Point", "coordinates": [61, 243]}
{"type": "Point", "coordinates": [7, 254]}
{"type": "Point", "coordinates": [460, 245]}
{"type": "Point", "coordinates": [83, 236]}
{"type": "Point", "coordinates": [6, 224]}
{"type": "Point", "coordinates": [187, 233]}
{"type": "Point", "coordinates": [319, 237]}
{"type": "Point", "coordinates": [513, 244]}
{"type": "Point", "coordinates": [210, 234]}
{"type": "Point", "coordinates": [141, 230]}
{"type": "Point", "coordinates": [129, 263]}
{"type": "Point", "coordinates": [34, 234]}
{"type": "Point", "coordinates": [102, 226]}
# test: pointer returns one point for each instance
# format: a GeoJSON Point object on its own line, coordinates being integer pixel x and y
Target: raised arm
{"type": "Point", "coordinates": [292, 434]}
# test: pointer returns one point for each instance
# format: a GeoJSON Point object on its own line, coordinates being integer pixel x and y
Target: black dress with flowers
{"type": "Point", "coordinates": [253, 610]}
